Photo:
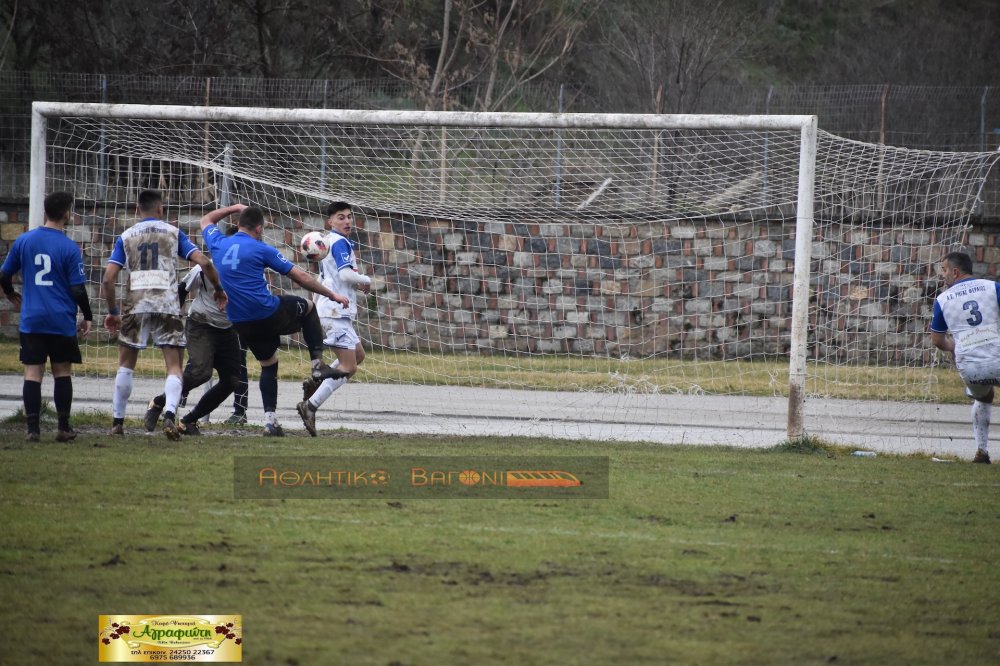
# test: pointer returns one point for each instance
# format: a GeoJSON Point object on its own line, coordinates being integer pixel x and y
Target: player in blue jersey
{"type": "Point", "coordinates": [151, 308]}
{"type": "Point", "coordinates": [969, 309]}
{"type": "Point", "coordinates": [339, 271]}
{"type": "Point", "coordinates": [260, 317]}
{"type": "Point", "coordinates": [54, 287]}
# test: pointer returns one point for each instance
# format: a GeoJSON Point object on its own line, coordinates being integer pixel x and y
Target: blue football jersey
{"type": "Point", "coordinates": [241, 261]}
{"type": "Point", "coordinates": [50, 263]}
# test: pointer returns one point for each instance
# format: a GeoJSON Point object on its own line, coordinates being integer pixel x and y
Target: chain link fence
{"type": "Point", "coordinates": [919, 117]}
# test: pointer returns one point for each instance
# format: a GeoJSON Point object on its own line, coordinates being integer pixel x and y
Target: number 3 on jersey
{"type": "Point", "coordinates": [977, 317]}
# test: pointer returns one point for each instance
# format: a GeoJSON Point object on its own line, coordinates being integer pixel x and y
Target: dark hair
{"type": "Point", "coordinates": [961, 261]}
{"type": "Point", "coordinates": [251, 218]}
{"type": "Point", "coordinates": [57, 205]}
{"type": "Point", "coordinates": [149, 200]}
{"type": "Point", "coordinates": [336, 207]}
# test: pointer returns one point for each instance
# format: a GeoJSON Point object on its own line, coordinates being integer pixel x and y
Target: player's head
{"type": "Point", "coordinates": [59, 207]}
{"type": "Point", "coordinates": [252, 220]}
{"type": "Point", "coordinates": [956, 265]}
{"type": "Point", "coordinates": [150, 203]}
{"type": "Point", "coordinates": [339, 217]}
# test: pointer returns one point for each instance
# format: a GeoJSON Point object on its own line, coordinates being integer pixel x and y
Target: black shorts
{"type": "Point", "coordinates": [211, 348]}
{"type": "Point", "coordinates": [263, 337]}
{"type": "Point", "coordinates": [37, 347]}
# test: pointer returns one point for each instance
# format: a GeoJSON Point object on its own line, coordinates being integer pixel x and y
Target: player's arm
{"type": "Point", "coordinates": [354, 279]}
{"type": "Point", "coordinates": [339, 260]}
{"type": "Point", "coordinates": [308, 282]}
{"type": "Point", "coordinates": [113, 321]}
{"type": "Point", "coordinates": [943, 341]}
{"type": "Point", "coordinates": [7, 284]}
{"type": "Point", "coordinates": [208, 270]}
{"type": "Point", "coordinates": [219, 214]}
{"type": "Point", "coordinates": [79, 293]}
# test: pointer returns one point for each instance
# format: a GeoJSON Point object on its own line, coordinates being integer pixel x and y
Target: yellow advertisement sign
{"type": "Point", "coordinates": [145, 638]}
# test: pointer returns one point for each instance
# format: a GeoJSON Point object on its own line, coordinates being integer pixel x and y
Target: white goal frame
{"type": "Point", "coordinates": [805, 124]}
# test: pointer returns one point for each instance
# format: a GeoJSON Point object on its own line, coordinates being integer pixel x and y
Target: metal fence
{"type": "Point", "coordinates": [920, 117]}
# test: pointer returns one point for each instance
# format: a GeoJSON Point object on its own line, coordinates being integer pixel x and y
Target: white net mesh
{"type": "Point", "coordinates": [622, 262]}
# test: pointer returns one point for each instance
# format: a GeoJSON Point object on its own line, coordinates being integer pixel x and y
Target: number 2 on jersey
{"type": "Point", "coordinates": [45, 261]}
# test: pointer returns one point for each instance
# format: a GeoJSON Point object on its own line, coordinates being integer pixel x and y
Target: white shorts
{"type": "Point", "coordinates": [166, 330]}
{"type": "Point", "coordinates": [980, 378]}
{"type": "Point", "coordinates": [340, 333]}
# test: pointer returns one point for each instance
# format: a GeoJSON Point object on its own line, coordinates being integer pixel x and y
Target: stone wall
{"type": "Point", "coordinates": [711, 289]}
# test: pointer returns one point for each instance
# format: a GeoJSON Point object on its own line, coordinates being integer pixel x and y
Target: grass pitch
{"type": "Point", "coordinates": [798, 555]}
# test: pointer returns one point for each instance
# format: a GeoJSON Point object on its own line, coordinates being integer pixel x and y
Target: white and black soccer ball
{"type": "Point", "coordinates": [314, 246]}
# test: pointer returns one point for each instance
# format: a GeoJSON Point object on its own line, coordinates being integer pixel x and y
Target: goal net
{"type": "Point", "coordinates": [593, 274]}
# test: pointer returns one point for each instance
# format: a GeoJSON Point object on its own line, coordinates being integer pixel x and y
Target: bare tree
{"type": "Point", "coordinates": [440, 48]}
{"type": "Point", "coordinates": [667, 51]}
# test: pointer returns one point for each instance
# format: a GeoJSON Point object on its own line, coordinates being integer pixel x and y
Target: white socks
{"type": "Point", "coordinates": [325, 390]}
{"type": "Point", "coordinates": [123, 389]}
{"type": "Point", "coordinates": [981, 412]}
{"type": "Point", "coordinates": [172, 389]}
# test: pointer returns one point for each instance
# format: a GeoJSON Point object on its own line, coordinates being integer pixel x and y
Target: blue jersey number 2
{"type": "Point", "coordinates": [45, 261]}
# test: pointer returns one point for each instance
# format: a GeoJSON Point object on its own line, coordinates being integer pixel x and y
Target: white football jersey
{"type": "Point", "coordinates": [341, 255]}
{"type": "Point", "coordinates": [148, 253]}
{"type": "Point", "coordinates": [203, 308]}
{"type": "Point", "coordinates": [970, 311]}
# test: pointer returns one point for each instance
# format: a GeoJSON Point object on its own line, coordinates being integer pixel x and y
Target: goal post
{"type": "Point", "coordinates": [634, 246]}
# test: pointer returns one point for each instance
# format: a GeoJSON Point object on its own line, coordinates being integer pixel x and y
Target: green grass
{"type": "Point", "coordinates": [795, 555]}
{"type": "Point", "coordinates": [560, 372]}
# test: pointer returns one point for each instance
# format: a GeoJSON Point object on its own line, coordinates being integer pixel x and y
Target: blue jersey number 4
{"type": "Point", "coordinates": [232, 257]}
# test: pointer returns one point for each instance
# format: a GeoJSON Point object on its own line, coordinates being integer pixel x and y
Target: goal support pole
{"type": "Point", "coordinates": [806, 125]}
{"type": "Point", "coordinates": [36, 181]}
{"type": "Point", "coordinates": [800, 284]}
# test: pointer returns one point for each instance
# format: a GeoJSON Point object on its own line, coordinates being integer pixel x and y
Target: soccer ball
{"type": "Point", "coordinates": [314, 246]}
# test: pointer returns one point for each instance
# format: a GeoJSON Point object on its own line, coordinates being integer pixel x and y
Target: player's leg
{"type": "Point", "coordinates": [226, 360]}
{"type": "Point", "coordinates": [268, 384]}
{"type": "Point", "coordinates": [185, 390]}
{"type": "Point", "coordinates": [62, 358]}
{"type": "Point", "coordinates": [306, 320]}
{"type": "Point", "coordinates": [168, 334]}
{"type": "Point", "coordinates": [131, 338]}
{"type": "Point", "coordinates": [173, 359]}
{"type": "Point", "coordinates": [979, 381]}
{"type": "Point", "coordinates": [239, 415]}
{"type": "Point", "coordinates": [262, 339]}
{"type": "Point", "coordinates": [346, 345]}
{"type": "Point", "coordinates": [197, 370]}
{"type": "Point", "coordinates": [31, 395]}
{"type": "Point", "coordinates": [127, 358]}
{"type": "Point", "coordinates": [33, 356]}
{"type": "Point", "coordinates": [982, 410]}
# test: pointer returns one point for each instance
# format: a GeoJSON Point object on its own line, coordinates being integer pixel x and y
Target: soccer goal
{"type": "Point", "coordinates": [619, 262]}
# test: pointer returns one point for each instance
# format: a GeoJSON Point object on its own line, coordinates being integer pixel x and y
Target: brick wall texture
{"type": "Point", "coordinates": [707, 288]}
